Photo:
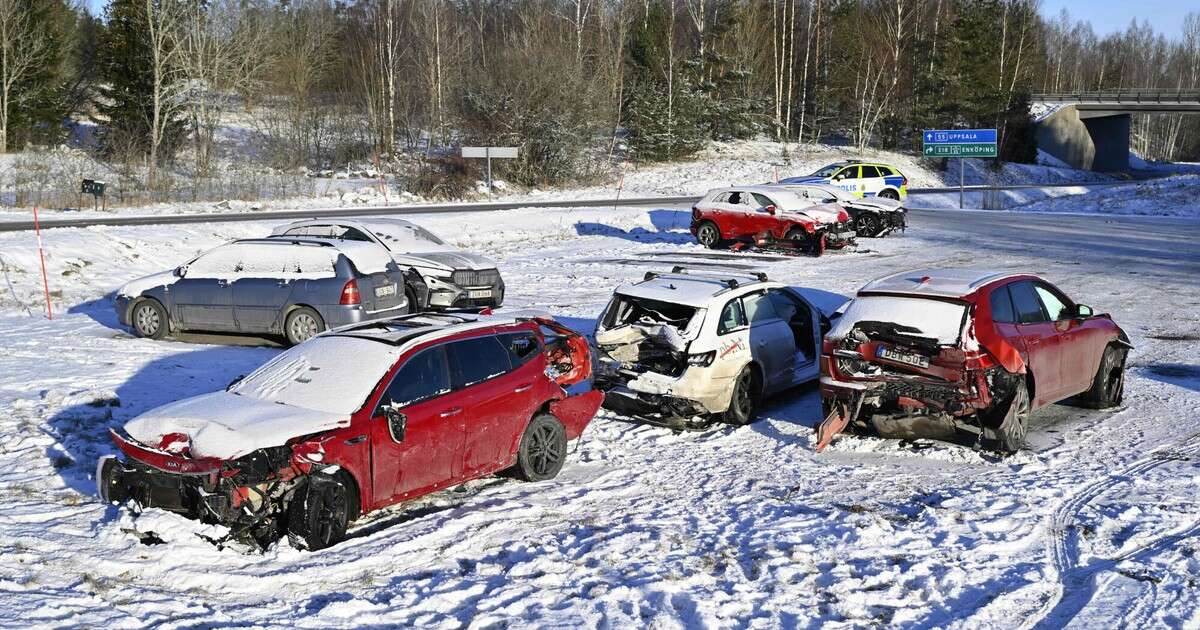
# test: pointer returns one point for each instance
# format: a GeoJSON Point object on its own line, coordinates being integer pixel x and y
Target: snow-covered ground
{"type": "Point", "coordinates": [1171, 196]}
{"type": "Point", "coordinates": [1095, 526]}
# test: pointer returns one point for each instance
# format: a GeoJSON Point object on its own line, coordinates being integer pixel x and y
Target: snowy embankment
{"type": "Point", "coordinates": [721, 164]}
{"type": "Point", "coordinates": [1173, 196]}
{"type": "Point", "coordinates": [731, 527]}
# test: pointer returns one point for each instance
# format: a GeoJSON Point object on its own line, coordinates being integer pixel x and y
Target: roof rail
{"type": "Point", "coordinates": [292, 240]}
{"type": "Point", "coordinates": [723, 277]}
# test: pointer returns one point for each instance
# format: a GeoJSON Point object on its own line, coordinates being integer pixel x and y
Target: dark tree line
{"type": "Point", "coordinates": [575, 83]}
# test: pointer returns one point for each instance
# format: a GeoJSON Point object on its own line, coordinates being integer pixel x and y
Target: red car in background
{"type": "Point", "coordinates": [360, 418]}
{"type": "Point", "coordinates": [928, 353]}
{"type": "Point", "coordinates": [767, 216]}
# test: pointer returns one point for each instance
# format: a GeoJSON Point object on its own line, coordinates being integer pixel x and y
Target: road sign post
{"type": "Point", "coordinates": [959, 143]}
{"type": "Point", "coordinates": [488, 153]}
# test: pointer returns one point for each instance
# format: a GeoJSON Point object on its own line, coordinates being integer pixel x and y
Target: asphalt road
{"type": "Point", "coordinates": [1165, 248]}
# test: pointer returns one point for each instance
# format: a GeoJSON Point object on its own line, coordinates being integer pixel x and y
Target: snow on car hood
{"type": "Point", "coordinates": [312, 387]}
{"type": "Point", "coordinates": [877, 203]}
{"type": "Point", "coordinates": [445, 260]}
{"type": "Point", "coordinates": [134, 288]}
{"type": "Point", "coordinates": [825, 213]}
{"type": "Point", "coordinates": [227, 426]}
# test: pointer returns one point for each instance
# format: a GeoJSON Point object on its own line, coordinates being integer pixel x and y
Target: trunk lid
{"type": "Point", "coordinates": [382, 291]}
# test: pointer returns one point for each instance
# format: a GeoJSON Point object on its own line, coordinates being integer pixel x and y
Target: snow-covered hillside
{"type": "Point", "coordinates": [1095, 526]}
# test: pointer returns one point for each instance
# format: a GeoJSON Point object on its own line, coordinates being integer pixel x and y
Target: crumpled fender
{"type": "Point", "coordinates": [996, 345]}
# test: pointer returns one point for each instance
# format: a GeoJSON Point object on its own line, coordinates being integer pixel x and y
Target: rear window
{"type": "Point", "coordinates": [626, 309]}
{"type": "Point", "coordinates": [476, 360]}
{"type": "Point", "coordinates": [937, 319]}
{"type": "Point", "coordinates": [1002, 308]}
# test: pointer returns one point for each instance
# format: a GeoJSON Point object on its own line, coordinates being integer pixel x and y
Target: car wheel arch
{"type": "Point", "coordinates": [289, 309]}
{"type": "Point", "coordinates": [139, 300]}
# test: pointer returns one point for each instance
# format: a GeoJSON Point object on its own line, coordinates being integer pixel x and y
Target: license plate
{"type": "Point", "coordinates": [902, 357]}
{"type": "Point", "coordinates": [475, 294]}
{"type": "Point", "coordinates": [385, 290]}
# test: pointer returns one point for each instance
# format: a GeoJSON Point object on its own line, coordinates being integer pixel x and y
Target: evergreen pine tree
{"type": "Point", "coordinates": [126, 80]}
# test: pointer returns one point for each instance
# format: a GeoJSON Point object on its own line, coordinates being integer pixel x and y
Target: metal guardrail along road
{"type": "Point", "coordinates": [1134, 100]}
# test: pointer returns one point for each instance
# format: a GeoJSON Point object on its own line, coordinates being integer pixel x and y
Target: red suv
{"type": "Point", "coordinates": [770, 215]}
{"type": "Point", "coordinates": [360, 418]}
{"type": "Point", "coordinates": [929, 353]}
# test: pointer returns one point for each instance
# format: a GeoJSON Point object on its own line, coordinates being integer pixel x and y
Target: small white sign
{"type": "Point", "coordinates": [495, 152]}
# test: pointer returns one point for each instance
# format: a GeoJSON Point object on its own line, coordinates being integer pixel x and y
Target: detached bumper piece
{"type": "Point", "coordinates": [658, 409]}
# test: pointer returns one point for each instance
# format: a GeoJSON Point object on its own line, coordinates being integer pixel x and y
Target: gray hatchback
{"type": "Point", "coordinates": [296, 287]}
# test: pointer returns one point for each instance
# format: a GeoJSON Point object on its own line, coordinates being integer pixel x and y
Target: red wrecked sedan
{"type": "Point", "coordinates": [928, 353]}
{"type": "Point", "coordinates": [360, 418]}
{"type": "Point", "coordinates": [769, 216]}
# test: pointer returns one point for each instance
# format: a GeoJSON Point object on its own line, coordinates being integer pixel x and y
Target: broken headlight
{"type": "Point", "coordinates": [847, 365]}
{"type": "Point", "coordinates": [702, 360]}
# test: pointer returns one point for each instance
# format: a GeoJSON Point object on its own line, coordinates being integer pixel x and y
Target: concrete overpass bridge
{"type": "Point", "coordinates": [1090, 130]}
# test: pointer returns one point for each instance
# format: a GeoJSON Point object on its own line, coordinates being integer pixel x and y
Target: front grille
{"type": "Point", "coordinates": [476, 277]}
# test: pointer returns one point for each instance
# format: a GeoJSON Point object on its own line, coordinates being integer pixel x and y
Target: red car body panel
{"type": "Point", "coordinates": [455, 437]}
{"type": "Point", "coordinates": [739, 225]}
{"type": "Point", "coordinates": [1059, 357]}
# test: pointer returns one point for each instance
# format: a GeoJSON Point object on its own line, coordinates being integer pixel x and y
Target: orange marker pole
{"type": "Point", "coordinates": [37, 228]}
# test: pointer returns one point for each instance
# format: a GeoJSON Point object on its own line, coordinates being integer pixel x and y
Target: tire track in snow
{"type": "Point", "coordinates": [1076, 584]}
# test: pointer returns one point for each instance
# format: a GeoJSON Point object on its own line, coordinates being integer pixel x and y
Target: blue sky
{"type": "Point", "coordinates": [1109, 16]}
{"type": "Point", "coordinates": [1106, 16]}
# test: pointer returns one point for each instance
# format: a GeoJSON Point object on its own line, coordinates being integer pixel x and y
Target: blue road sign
{"type": "Point", "coordinates": [960, 136]}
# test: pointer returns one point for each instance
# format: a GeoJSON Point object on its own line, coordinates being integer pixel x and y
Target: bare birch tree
{"type": "Point", "coordinates": [22, 49]}
{"type": "Point", "coordinates": [164, 25]}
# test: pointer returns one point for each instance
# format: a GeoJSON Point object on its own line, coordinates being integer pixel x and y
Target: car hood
{"type": "Point", "coordinates": [226, 426]}
{"type": "Point", "coordinates": [875, 203]}
{"type": "Point", "coordinates": [824, 213]}
{"type": "Point", "coordinates": [805, 179]}
{"type": "Point", "coordinates": [134, 288]}
{"type": "Point", "coordinates": [447, 260]}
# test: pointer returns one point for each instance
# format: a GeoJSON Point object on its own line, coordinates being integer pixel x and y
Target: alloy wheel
{"type": "Point", "coordinates": [707, 235]}
{"type": "Point", "coordinates": [303, 327]}
{"type": "Point", "coordinates": [544, 450]}
{"type": "Point", "coordinates": [147, 320]}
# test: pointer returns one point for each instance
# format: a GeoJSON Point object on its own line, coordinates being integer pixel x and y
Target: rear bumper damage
{"type": "Point", "coordinates": [911, 406]}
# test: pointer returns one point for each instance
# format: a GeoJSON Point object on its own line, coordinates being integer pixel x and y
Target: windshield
{"type": "Point", "coordinates": [330, 374]}
{"type": "Point", "coordinates": [936, 319]}
{"type": "Point", "coordinates": [827, 171]}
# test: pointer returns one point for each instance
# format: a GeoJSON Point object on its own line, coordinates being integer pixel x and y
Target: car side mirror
{"type": "Point", "coordinates": [771, 209]}
{"type": "Point", "coordinates": [397, 422]}
{"type": "Point", "coordinates": [179, 271]}
{"type": "Point", "coordinates": [1083, 311]}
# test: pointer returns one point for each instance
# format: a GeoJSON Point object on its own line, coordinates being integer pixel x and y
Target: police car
{"type": "Point", "coordinates": [862, 179]}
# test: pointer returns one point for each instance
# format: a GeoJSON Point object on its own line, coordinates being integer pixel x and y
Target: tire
{"type": "Point", "coordinates": [1010, 435]}
{"type": "Point", "coordinates": [814, 244]}
{"type": "Point", "coordinates": [320, 512]}
{"type": "Point", "coordinates": [108, 481]}
{"type": "Point", "coordinates": [302, 324]}
{"type": "Point", "coordinates": [889, 194]}
{"type": "Point", "coordinates": [743, 402]}
{"type": "Point", "coordinates": [868, 225]}
{"type": "Point", "coordinates": [1108, 385]}
{"type": "Point", "coordinates": [543, 449]}
{"type": "Point", "coordinates": [149, 319]}
{"type": "Point", "coordinates": [709, 235]}
{"type": "Point", "coordinates": [413, 307]}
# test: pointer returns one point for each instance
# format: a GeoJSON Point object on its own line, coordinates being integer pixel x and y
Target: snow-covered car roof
{"type": "Point", "coordinates": [398, 331]}
{"type": "Point", "coordinates": [398, 234]}
{"type": "Point", "coordinates": [367, 257]}
{"type": "Point", "coordinates": [953, 282]}
{"type": "Point", "coordinates": [688, 289]}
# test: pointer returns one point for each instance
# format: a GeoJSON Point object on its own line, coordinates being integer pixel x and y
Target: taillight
{"type": "Point", "coordinates": [843, 216]}
{"type": "Point", "coordinates": [350, 294]}
{"type": "Point", "coordinates": [827, 346]}
{"type": "Point", "coordinates": [702, 360]}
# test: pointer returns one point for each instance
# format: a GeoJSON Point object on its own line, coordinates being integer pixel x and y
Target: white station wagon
{"type": "Point", "coordinates": [688, 348]}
